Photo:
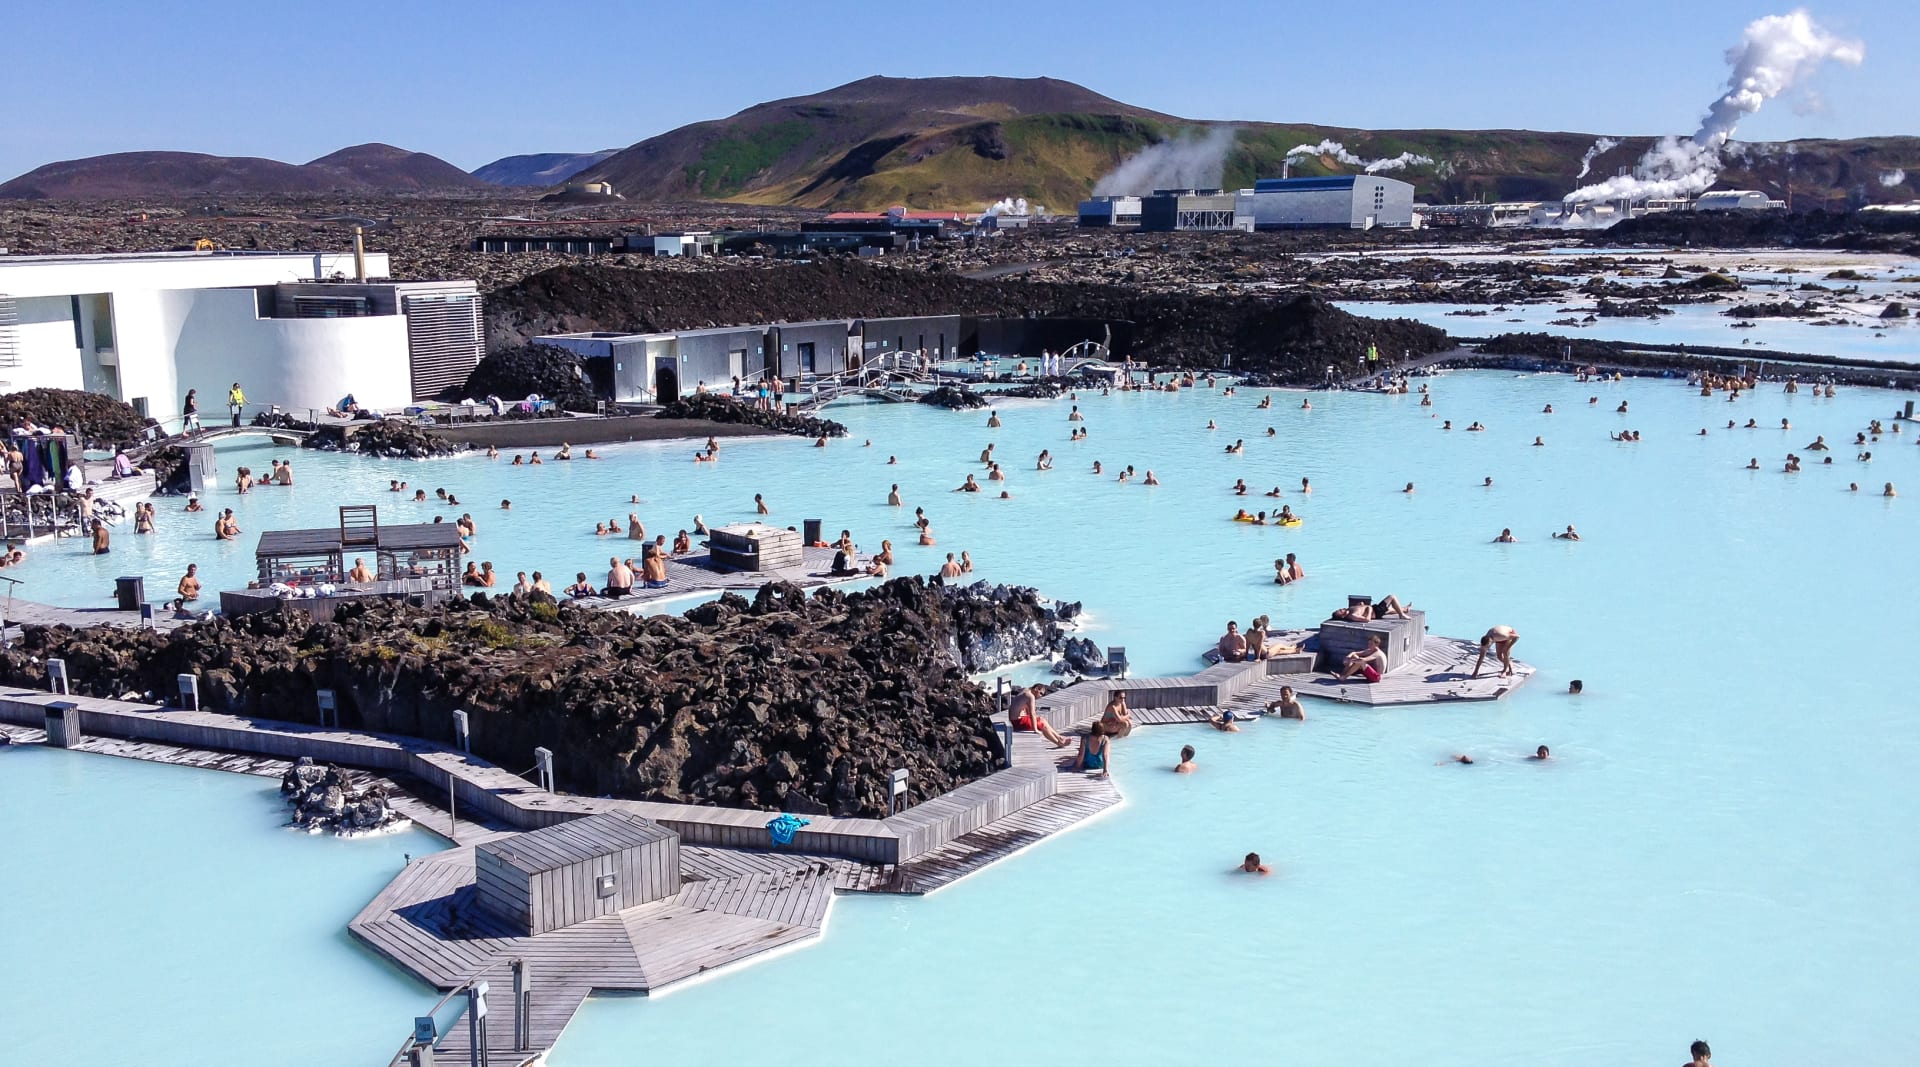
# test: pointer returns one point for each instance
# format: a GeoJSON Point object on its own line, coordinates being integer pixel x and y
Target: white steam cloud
{"type": "Point", "coordinates": [1184, 162]}
{"type": "Point", "coordinates": [1891, 178]}
{"type": "Point", "coordinates": [1774, 54]}
{"type": "Point", "coordinates": [1013, 205]}
{"type": "Point", "coordinates": [1603, 145]}
{"type": "Point", "coordinates": [1372, 166]}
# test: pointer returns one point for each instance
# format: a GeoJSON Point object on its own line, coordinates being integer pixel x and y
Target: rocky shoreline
{"type": "Point", "coordinates": [325, 801]}
{"type": "Point", "coordinates": [783, 702]}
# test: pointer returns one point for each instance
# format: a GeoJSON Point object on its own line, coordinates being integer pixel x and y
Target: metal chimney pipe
{"type": "Point", "coordinates": [359, 256]}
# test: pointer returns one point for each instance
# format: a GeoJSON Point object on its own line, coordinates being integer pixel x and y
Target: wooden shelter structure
{"type": "Point", "coordinates": [409, 552]}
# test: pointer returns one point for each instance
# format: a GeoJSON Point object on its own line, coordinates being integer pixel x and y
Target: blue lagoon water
{"type": "Point", "coordinates": [164, 915]}
{"type": "Point", "coordinates": [1721, 847]}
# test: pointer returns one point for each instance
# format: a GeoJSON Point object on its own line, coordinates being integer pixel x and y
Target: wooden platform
{"type": "Point", "coordinates": [733, 906]}
{"type": "Point", "coordinates": [697, 573]}
{"type": "Point", "coordinates": [1441, 671]}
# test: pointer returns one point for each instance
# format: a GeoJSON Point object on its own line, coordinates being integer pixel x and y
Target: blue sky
{"type": "Point", "coordinates": [474, 81]}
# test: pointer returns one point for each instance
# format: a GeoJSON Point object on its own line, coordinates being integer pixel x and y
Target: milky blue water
{"type": "Point", "coordinates": [1864, 336]}
{"type": "Point", "coordinates": [1721, 847]}
{"type": "Point", "coordinates": [160, 915]}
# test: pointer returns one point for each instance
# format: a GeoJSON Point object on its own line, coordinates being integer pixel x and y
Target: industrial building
{"type": "Point", "coordinates": [1737, 200]}
{"type": "Point", "coordinates": [1114, 211]}
{"type": "Point", "coordinates": [691, 243]}
{"type": "Point", "coordinates": [289, 326]}
{"type": "Point", "coordinates": [1169, 210]}
{"type": "Point", "coordinates": [640, 368]}
{"type": "Point", "coordinates": [1354, 201]}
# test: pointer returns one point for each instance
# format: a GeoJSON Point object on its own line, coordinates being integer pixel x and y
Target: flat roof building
{"type": "Point", "coordinates": [1191, 209]}
{"type": "Point", "coordinates": [1351, 201]}
{"type": "Point", "coordinates": [1104, 211]}
{"type": "Point", "coordinates": [289, 326]}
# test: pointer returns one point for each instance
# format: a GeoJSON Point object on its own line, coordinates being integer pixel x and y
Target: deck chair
{"type": "Point", "coordinates": [1117, 661]}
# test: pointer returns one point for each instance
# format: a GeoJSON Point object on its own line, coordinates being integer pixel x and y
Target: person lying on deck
{"type": "Point", "coordinates": [1368, 662]}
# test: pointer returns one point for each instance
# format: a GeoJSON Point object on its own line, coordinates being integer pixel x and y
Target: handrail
{"type": "Point", "coordinates": [400, 1058]}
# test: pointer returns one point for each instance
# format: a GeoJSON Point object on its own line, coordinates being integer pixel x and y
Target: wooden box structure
{"type": "Point", "coordinates": [1400, 639]}
{"type": "Point", "coordinates": [407, 553]}
{"type": "Point", "coordinates": [573, 871]}
{"type": "Point", "coordinates": [754, 546]}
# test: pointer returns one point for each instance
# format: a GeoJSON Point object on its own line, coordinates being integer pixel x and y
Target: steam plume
{"type": "Point", "coordinates": [1184, 162]}
{"type": "Point", "coordinates": [1372, 166]}
{"type": "Point", "coordinates": [1013, 205]}
{"type": "Point", "coordinates": [1603, 145]}
{"type": "Point", "coordinates": [1891, 178]}
{"type": "Point", "coordinates": [1774, 54]}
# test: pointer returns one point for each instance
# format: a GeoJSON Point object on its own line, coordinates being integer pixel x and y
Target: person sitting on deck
{"type": "Point", "coordinates": [1117, 719]}
{"type": "Point", "coordinates": [1287, 705]}
{"type": "Point", "coordinates": [1186, 764]}
{"type": "Point", "coordinates": [1369, 662]}
{"type": "Point", "coordinates": [360, 572]}
{"type": "Point", "coordinates": [581, 588]}
{"type": "Point", "coordinates": [1501, 640]}
{"type": "Point", "coordinates": [619, 578]}
{"type": "Point", "coordinates": [1233, 646]}
{"type": "Point", "coordinates": [1093, 751]}
{"type": "Point", "coordinates": [1023, 712]}
{"type": "Point", "coordinates": [653, 571]}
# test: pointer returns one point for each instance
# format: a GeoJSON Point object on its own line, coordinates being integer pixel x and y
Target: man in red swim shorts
{"type": "Point", "coordinates": [1370, 663]}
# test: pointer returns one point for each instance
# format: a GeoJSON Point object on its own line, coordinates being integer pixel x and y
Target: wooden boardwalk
{"type": "Point", "coordinates": [697, 574]}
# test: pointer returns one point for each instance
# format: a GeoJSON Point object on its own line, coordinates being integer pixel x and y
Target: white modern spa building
{"type": "Point", "coordinates": [294, 328]}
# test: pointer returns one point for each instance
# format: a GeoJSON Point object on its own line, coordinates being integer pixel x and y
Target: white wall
{"type": "Point", "coordinates": [217, 338]}
{"type": "Point", "coordinates": [48, 358]}
{"type": "Point", "coordinates": [22, 276]}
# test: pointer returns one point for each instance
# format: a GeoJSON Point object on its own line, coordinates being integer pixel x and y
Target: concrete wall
{"type": "Point", "coordinates": [217, 339]}
{"type": "Point", "coordinates": [829, 340]}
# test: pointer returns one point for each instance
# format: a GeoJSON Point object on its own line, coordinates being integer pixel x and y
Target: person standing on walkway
{"type": "Point", "coordinates": [235, 401]}
{"type": "Point", "coordinates": [190, 412]}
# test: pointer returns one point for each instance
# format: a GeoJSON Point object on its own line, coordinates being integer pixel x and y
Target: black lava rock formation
{"type": "Point", "coordinates": [715, 408]}
{"type": "Point", "coordinates": [785, 702]}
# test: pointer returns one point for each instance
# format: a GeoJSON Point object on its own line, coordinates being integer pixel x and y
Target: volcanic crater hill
{"type": "Point", "coordinates": [785, 702]}
{"type": "Point", "coordinates": [367, 168]}
{"type": "Point", "coordinates": [1289, 337]}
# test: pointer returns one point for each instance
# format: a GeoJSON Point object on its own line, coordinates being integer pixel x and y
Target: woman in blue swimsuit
{"type": "Point", "coordinates": [1093, 751]}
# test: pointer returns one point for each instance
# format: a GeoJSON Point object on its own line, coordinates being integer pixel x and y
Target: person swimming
{"type": "Point", "coordinates": [1252, 865]}
{"type": "Point", "coordinates": [1541, 753]}
{"type": "Point", "coordinates": [1506, 537]}
{"type": "Point", "coordinates": [1570, 535]}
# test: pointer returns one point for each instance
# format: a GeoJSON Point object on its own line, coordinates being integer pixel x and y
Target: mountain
{"type": "Point", "coordinates": [965, 142]}
{"type": "Point", "coordinates": [925, 141]}
{"type": "Point", "coordinates": [541, 168]}
{"type": "Point", "coordinates": [367, 168]}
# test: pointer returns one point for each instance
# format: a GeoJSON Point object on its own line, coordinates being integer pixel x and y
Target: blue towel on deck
{"type": "Point", "coordinates": [783, 828]}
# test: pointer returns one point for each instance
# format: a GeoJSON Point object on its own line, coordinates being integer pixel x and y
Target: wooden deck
{"type": "Point", "coordinates": [1440, 672]}
{"type": "Point", "coordinates": [732, 906]}
{"type": "Point", "coordinates": [696, 574]}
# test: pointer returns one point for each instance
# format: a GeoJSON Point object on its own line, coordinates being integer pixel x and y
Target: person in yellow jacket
{"type": "Point", "coordinates": [235, 401]}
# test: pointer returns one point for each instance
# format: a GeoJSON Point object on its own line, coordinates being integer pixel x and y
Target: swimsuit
{"type": "Point", "coordinates": [1096, 761]}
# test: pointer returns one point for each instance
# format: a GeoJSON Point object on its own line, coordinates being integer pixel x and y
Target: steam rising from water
{"type": "Point", "coordinates": [1184, 162]}
{"type": "Point", "coordinates": [1891, 178]}
{"type": "Point", "coordinates": [1775, 53]}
